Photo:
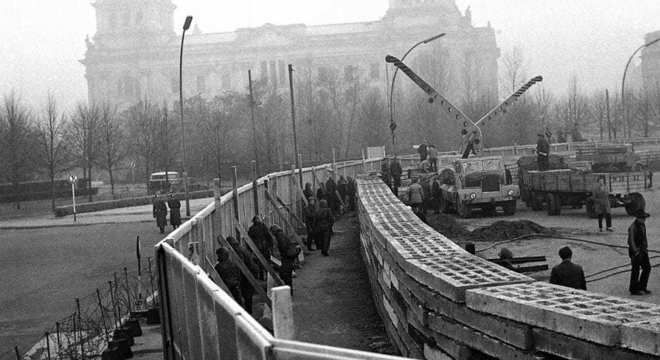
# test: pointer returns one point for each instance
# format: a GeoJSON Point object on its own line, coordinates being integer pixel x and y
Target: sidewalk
{"type": "Point", "coordinates": [332, 301]}
{"type": "Point", "coordinates": [112, 216]}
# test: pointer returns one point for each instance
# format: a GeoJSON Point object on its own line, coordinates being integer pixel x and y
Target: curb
{"type": "Point", "coordinates": [27, 227]}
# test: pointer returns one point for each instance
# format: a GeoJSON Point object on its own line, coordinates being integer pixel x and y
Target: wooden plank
{"type": "Point", "coordinates": [239, 262]}
{"type": "Point", "coordinates": [302, 223]}
{"type": "Point", "coordinates": [262, 260]}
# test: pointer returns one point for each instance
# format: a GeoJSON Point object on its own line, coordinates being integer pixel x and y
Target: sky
{"type": "Point", "coordinates": [42, 40]}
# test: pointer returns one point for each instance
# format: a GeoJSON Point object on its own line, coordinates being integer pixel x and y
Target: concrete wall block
{"type": "Point", "coordinates": [571, 348]}
{"type": "Point", "coordinates": [390, 311]}
{"type": "Point", "coordinates": [454, 349]}
{"type": "Point", "coordinates": [452, 276]}
{"type": "Point", "coordinates": [577, 313]}
{"type": "Point", "coordinates": [642, 336]}
{"type": "Point", "coordinates": [476, 340]}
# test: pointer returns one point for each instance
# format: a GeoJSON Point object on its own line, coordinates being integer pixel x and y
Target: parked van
{"type": "Point", "coordinates": [160, 181]}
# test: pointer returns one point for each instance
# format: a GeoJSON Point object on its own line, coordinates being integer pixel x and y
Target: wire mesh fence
{"type": "Point", "coordinates": [86, 332]}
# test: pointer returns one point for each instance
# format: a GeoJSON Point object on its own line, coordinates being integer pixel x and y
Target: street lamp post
{"type": "Point", "coordinates": [623, 83]}
{"type": "Point", "coordinates": [392, 123]}
{"type": "Point", "coordinates": [186, 26]}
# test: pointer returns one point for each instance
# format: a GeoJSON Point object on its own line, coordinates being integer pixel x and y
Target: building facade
{"type": "Point", "coordinates": [135, 52]}
{"type": "Point", "coordinates": [651, 63]}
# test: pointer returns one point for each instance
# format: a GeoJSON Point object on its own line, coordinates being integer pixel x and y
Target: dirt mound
{"type": "Point", "coordinates": [530, 163]}
{"type": "Point", "coordinates": [505, 230]}
{"type": "Point", "coordinates": [448, 226]}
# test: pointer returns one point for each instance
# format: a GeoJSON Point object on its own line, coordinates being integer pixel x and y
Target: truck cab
{"type": "Point", "coordinates": [479, 182]}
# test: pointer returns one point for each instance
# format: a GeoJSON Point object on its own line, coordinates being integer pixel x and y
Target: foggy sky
{"type": "Point", "coordinates": [42, 40]}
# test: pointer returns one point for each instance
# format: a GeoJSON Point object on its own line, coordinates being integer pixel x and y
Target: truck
{"type": "Point", "coordinates": [573, 187]}
{"type": "Point", "coordinates": [477, 183]}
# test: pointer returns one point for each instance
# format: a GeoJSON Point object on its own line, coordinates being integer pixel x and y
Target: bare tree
{"type": "Point", "coordinates": [85, 135]}
{"type": "Point", "coordinates": [53, 145]}
{"type": "Point", "coordinates": [112, 141]}
{"type": "Point", "coordinates": [16, 144]}
{"type": "Point", "coordinates": [142, 121]}
{"type": "Point", "coordinates": [514, 66]}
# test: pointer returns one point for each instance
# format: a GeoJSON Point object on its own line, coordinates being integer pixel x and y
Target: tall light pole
{"type": "Point", "coordinates": [293, 121]}
{"type": "Point", "coordinates": [186, 26]}
{"type": "Point", "coordinates": [254, 125]}
{"type": "Point", "coordinates": [623, 83]}
{"type": "Point", "coordinates": [396, 71]}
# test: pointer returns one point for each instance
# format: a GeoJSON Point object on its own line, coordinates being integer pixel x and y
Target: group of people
{"type": "Point", "coordinates": [160, 207]}
{"type": "Point", "coordinates": [391, 172]}
{"type": "Point", "coordinates": [319, 216]}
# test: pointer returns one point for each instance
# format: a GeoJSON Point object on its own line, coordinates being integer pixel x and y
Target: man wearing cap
{"type": "Point", "coordinates": [639, 254]}
{"type": "Point", "coordinates": [289, 251]}
{"type": "Point", "coordinates": [568, 274]}
{"type": "Point", "coordinates": [542, 152]}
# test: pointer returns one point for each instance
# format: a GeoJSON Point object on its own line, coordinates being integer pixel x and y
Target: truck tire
{"type": "Point", "coordinates": [464, 210]}
{"type": "Point", "coordinates": [554, 204]}
{"type": "Point", "coordinates": [635, 201]}
{"type": "Point", "coordinates": [591, 209]}
{"type": "Point", "coordinates": [509, 208]}
{"type": "Point", "coordinates": [537, 203]}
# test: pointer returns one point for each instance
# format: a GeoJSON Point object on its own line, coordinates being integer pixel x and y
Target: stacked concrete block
{"type": "Point", "coordinates": [439, 302]}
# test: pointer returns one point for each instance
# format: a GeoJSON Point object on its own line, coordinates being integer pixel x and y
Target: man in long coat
{"type": "Point", "coordinates": [542, 152]}
{"type": "Point", "coordinates": [160, 213]}
{"type": "Point", "coordinates": [639, 254]}
{"type": "Point", "coordinates": [175, 210]}
{"type": "Point", "coordinates": [258, 232]}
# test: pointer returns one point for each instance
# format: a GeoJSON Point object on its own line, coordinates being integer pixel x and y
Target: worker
{"type": "Point", "coordinates": [323, 221]}
{"type": "Point", "coordinates": [229, 273]}
{"type": "Point", "coordinates": [639, 254]}
{"type": "Point", "coordinates": [568, 274]}
{"type": "Point", "coordinates": [247, 290]}
{"type": "Point", "coordinates": [258, 232]}
{"type": "Point", "coordinates": [433, 157]}
{"type": "Point", "coordinates": [506, 256]}
{"type": "Point", "coordinates": [159, 212]}
{"type": "Point", "coordinates": [416, 196]}
{"type": "Point", "coordinates": [601, 199]}
{"type": "Point", "coordinates": [422, 150]}
{"type": "Point", "coordinates": [289, 251]}
{"type": "Point", "coordinates": [309, 214]}
{"type": "Point", "coordinates": [385, 174]}
{"type": "Point", "coordinates": [395, 172]}
{"type": "Point", "coordinates": [471, 142]}
{"type": "Point", "coordinates": [542, 152]}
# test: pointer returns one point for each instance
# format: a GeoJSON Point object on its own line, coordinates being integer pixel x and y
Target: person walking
{"type": "Point", "coordinates": [566, 273]}
{"type": "Point", "coordinates": [342, 185]}
{"type": "Point", "coordinates": [331, 195]}
{"type": "Point", "coordinates": [396, 172]}
{"type": "Point", "coordinates": [309, 216]}
{"type": "Point", "coordinates": [175, 210]}
{"type": "Point", "coordinates": [321, 193]}
{"type": "Point", "coordinates": [246, 288]}
{"type": "Point", "coordinates": [324, 221]}
{"type": "Point", "coordinates": [601, 199]}
{"type": "Point", "coordinates": [160, 212]}
{"type": "Point", "coordinates": [639, 254]}
{"type": "Point", "coordinates": [416, 197]}
{"type": "Point", "coordinates": [229, 273]}
{"type": "Point", "coordinates": [258, 232]}
{"type": "Point", "coordinates": [542, 152]}
{"type": "Point", "coordinates": [289, 251]}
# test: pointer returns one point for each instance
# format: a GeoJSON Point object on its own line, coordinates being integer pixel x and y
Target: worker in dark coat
{"type": "Point", "coordinates": [247, 290]}
{"type": "Point", "coordinates": [385, 174]}
{"type": "Point", "coordinates": [639, 254]}
{"type": "Point", "coordinates": [351, 192]}
{"type": "Point", "coordinates": [308, 192]}
{"type": "Point", "coordinates": [321, 193]}
{"type": "Point", "coordinates": [331, 195]}
{"type": "Point", "coordinates": [436, 194]}
{"type": "Point", "coordinates": [229, 273]}
{"type": "Point", "coordinates": [472, 140]}
{"type": "Point", "coordinates": [309, 216]}
{"type": "Point", "coordinates": [422, 151]}
{"type": "Point", "coordinates": [258, 232]}
{"type": "Point", "coordinates": [568, 274]}
{"type": "Point", "coordinates": [324, 221]}
{"type": "Point", "coordinates": [601, 199]}
{"type": "Point", "coordinates": [175, 210]}
{"type": "Point", "coordinates": [289, 251]}
{"type": "Point", "coordinates": [542, 152]}
{"type": "Point", "coordinates": [395, 172]}
{"type": "Point", "coordinates": [160, 213]}
{"type": "Point", "coordinates": [341, 189]}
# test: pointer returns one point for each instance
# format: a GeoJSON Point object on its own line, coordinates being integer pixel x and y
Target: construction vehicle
{"type": "Point", "coordinates": [477, 183]}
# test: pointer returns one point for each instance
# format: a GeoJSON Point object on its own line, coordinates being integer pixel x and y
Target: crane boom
{"type": "Point", "coordinates": [501, 108]}
{"type": "Point", "coordinates": [429, 90]}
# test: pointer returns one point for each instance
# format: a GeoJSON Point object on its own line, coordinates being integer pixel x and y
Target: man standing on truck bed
{"type": "Point", "coordinates": [542, 152]}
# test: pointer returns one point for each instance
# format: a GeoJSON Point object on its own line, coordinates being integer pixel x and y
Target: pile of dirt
{"type": "Point", "coordinates": [530, 163]}
{"type": "Point", "coordinates": [448, 226]}
{"type": "Point", "coordinates": [506, 230]}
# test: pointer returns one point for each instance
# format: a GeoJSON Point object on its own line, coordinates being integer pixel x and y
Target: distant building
{"type": "Point", "coordinates": [651, 63]}
{"type": "Point", "coordinates": [135, 52]}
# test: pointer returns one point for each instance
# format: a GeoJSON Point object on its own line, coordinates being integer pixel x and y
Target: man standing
{"type": "Point", "coordinates": [542, 152]}
{"type": "Point", "coordinates": [247, 291]}
{"type": "Point", "coordinates": [422, 151]}
{"type": "Point", "coordinates": [229, 273]}
{"type": "Point", "coordinates": [395, 171]}
{"type": "Point", "coordinates": [639, 254]}
{"type": "Point", "coordinates": [258, 232]}
{"type": "Point", "coordinates": [568, 274]}
{"type": "Point", "coordinates": [323, 222]}
{"type": "Point", "coordinates": [160, 213]}
{"type": "Point", "coordinates": [175, 210]}
{"type": "Point", "coordinates": [289, 251]}
{"type": "Point", "coordinates": [416, 196]}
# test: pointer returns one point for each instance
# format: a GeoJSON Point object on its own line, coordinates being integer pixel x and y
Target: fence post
{"type": "Point", "coordinates": [80, 329]}
{"type": "Point", "coordinates": [18, 356]}
{"type": "Point", "coordinates": [217, 196]}
{"type": "Point", "coordinates": [283, 326]}
{"type": "Point", "coordinates": [334, 165]}
{"type": "Point", "coordinates": [364, 165]}
{"type": "Point", "coordinates": [234, 183]}
{"type": "Point", "coordinates": [48, 344]}
{"type": "Point", "coordinates": [255, 195]}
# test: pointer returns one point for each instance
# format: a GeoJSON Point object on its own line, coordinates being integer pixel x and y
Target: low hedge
{"type": "Point", "coordinates": [120, 203]}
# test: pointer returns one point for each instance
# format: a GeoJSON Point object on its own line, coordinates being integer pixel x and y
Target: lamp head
{"type": "Point", "coordinates": [186, 24]}
{"type": "Point", "coordinates": [390, 59]}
